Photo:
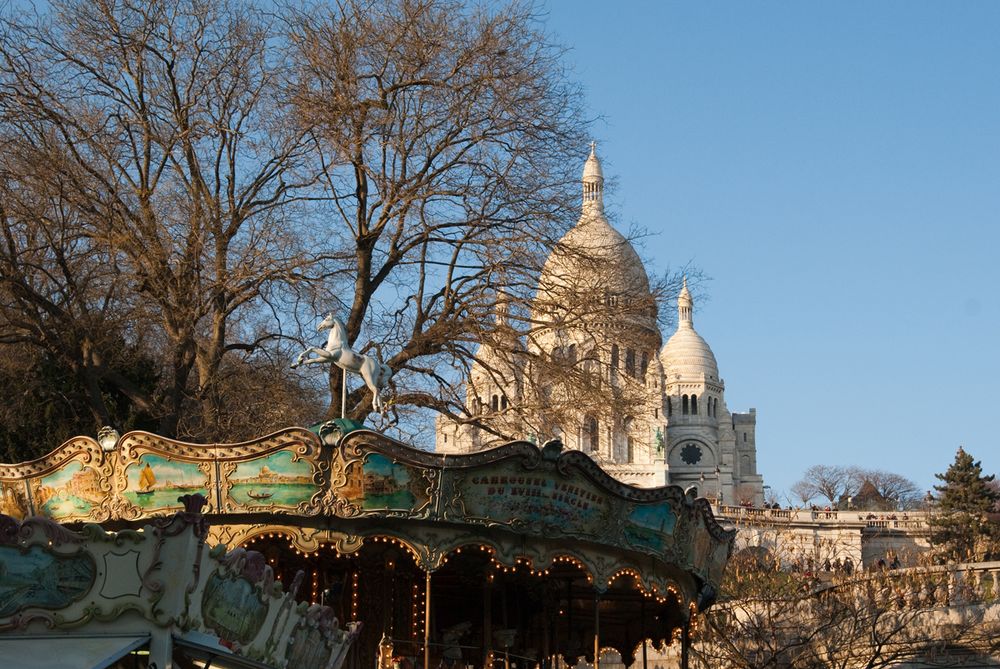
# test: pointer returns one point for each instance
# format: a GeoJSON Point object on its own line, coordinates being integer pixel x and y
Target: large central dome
{"type": "Point", "coordinates": [593, 263]}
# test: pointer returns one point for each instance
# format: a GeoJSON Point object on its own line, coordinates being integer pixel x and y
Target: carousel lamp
{"type": "Point", "coordinates": [108, 437]}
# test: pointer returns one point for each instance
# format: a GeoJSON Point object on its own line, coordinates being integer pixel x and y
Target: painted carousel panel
{"type": "Point", "coordinates": [38, 578]}
{"type": "Point", "coordinates": [233, 608]}
{"type": "Point", "coordinates": [651, 526]}
{"type": "Point", "coordinates": [154, 482]}
{"type": "Point", "coordinates": [543, 500]}
{"type": "Point", "coordinates": [71, 491]}
{"type": "Point", "coordinates": [377, 482]}
{"type": "Point", "coordinates": [277, 479]}
{"type": "Point", "coordinates": [14, 500]}
{"type": "Point", "coordinates": [313, 647]}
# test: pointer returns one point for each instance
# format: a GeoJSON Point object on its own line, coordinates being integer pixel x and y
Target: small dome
{"type": "Point", "coordinates": [688, 354]}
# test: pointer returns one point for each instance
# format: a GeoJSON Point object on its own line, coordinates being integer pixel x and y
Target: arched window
{"type": "Point", "coordinates": [670, 408]}
{"type": "Point", "coordinates": [645, 364]}
{"type": "Point", "coordinates": [503, 402]}
{"type": "Point", "coordinates": [614, 360]}
{"type": "Point", "coordinates": [684, 405]}
{"type": "Point", "coordinates": [694, 405]}
{"type": "Point", "coordinates": [495, 403]}
{"type": "Point", "coordinates": [630, 362]}
{"type": "Point", "coordinates": [591, 434]}
{"type": "Point", "coordinates": [571, 353]}
{"type": "Point", "coordinates": [715, 407]}
{"type": "Point", "coordinates": [627, 424]}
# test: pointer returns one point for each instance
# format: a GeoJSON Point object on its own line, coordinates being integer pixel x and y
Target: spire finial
{"type": "Point", "coordinates": [685, 306]}
{"type": "Point", "coordinates": [593, 183]}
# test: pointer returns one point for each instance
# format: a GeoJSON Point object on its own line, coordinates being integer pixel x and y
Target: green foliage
{"type": "Point", "coordinates": [962, 529]}
{"type": "Point", "coordinates": [42, 403]}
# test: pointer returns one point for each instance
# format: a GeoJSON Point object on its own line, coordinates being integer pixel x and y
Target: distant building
{"type": "Point", "coordinates": [677, 429]}
{"type": "Point", "coordinates": [85, 485]}
{"type": "Point", "coordinates": [268, 476]}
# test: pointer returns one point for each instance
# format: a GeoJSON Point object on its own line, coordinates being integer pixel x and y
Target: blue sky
{"type": "Point", "coordinates": [835, 168]}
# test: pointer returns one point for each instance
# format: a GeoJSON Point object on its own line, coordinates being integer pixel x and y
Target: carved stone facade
{"type": "Point", "coordinates": [675, 427]}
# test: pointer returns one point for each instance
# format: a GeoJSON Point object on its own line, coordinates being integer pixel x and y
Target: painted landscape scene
{"type": "Point", "coordinates": [276, 479]}
{"type": "Point", "coordinates": [380, 483]}
{"type": "Point", "coordinates": [650, 526]}
{"type": "Point", "coordinates": [13, 501]}
{"type": "Point", "coordinates": [68, 492]}
{"type": "Point", "coordinates": [36, 577]}
{"type": "Point", "coordinates": [156, 482]}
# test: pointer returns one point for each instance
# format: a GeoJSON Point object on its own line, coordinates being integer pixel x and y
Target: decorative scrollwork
{"type": "Point", "coordinates": [446, 499]}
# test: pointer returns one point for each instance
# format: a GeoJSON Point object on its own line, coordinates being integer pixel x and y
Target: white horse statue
{"type": "Point", "coordinates": [337, 351]}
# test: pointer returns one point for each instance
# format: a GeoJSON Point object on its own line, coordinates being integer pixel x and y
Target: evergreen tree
{"type": "Point", "coordinates": [962, 529]}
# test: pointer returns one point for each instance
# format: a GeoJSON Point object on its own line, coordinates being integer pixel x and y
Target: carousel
{"type": "Point", "coordinates": [518, 556]}
{"type": "Point", "coordinates": [338, 546]}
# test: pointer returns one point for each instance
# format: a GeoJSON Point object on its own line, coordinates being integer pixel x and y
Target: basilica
{"type": "Point", "coordinates": [654, 414]}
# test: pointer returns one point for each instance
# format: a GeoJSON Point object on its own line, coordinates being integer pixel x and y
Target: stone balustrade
{"type": "Point", "coordinates": [909, 520]}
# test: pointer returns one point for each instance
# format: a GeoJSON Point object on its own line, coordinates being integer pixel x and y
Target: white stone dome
{"type": "Point", "coordinates": [594, 262]}
{"type": "Point", "coordinates": [594, 250]}
{"type": "Point", "coordinates": [686, 353]}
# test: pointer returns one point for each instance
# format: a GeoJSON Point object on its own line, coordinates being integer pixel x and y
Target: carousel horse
{"type": "Point", "coordinates": [337, 351]}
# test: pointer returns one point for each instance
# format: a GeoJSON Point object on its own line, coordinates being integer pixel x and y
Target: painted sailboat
{"type": "Point", "coordinates": [146, 481]}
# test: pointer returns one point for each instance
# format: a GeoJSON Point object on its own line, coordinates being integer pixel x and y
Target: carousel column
{"type": "Point", "coordinates": [685, 642]}
{"type": "Point", "coordinates": [161, 650]}
{"type": "Point", "coordinates": [597, 630]}
{"type": "Point", "coordinates": [427, 621]}
{"type": "Point", "coordinates": [642, 617]}
{"type": "Point", "coordinates": [546, 624]}
{"type": "Point", "coordinates": [488, 621]}
{"type": "Point", "coordinates": [569, 618]}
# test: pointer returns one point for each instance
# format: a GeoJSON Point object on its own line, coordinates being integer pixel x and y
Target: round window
{"type": "Point", "coordinates": [691, 454]}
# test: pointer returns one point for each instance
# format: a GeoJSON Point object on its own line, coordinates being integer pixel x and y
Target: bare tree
{"type": "Point", "coordinates": [829, 481]}
{"type": "Point", "coordinates": [451, 141]}
{"type": "Point", "coordinates": [149, 183]}
{"type": "Point", "coordinates": [181, 181]}
{"type": "Point", "coordinates": [804, 491]}
{"type": "Point", "coordinates": [836, 484]}
{"type": "Point", "coordinates": [897, 491]}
